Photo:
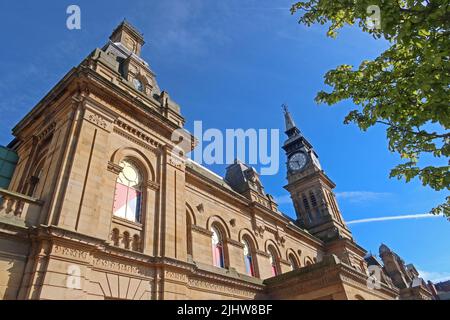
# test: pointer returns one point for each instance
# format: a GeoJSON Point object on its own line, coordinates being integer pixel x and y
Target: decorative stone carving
{"type": "Point", "coordinates": [174, 162]}
{"type": "Point", "coordinates": [109, 264]}
{"type": "Point", "coordinates": [217, 287]}
{"type": "Point", "coordinates": [281, 240]}
{"type": "Point", "coordinates": [201, 208]}
{"type": "Point", "coordinates": [70, 252]}
{"type": "Point", "coordinates": [259, 230]}
{"type": "Point", "coordinates": [97, 119]}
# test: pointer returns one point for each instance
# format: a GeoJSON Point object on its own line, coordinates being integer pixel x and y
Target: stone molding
{"type": "Point", "coordinates": [46, 132]}
{"type": "Point", "coordinates": [151, 185]}
{"type": "Point", "coordinates": [114, 168]}
{"type": "Point", "coordinates": [138, 134]}
{"type": "Point", "coordinates": [202, 230]}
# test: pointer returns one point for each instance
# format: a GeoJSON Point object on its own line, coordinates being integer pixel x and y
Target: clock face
{"type": "Point", "coordinates": [297, 161]}
{"type": "Point", "coordinates": [138, 85]}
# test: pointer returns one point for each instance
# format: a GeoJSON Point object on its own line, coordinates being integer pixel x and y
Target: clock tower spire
{"type": "Point", "coordinates": [310, 188]}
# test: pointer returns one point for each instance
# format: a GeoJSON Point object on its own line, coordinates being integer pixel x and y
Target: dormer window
{"type": "Point", "coordinates": [138, 85]}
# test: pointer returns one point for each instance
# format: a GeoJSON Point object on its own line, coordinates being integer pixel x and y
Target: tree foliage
{"type": "Point", "coordinates": [406, 88]}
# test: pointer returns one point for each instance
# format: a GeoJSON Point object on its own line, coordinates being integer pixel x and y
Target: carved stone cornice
{"type": "Point", "coordinates": [46, 132]}
{"type": "Point", "coordinates": [138, 134]}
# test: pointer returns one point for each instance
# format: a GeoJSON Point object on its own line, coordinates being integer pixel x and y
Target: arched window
{"type": "Point", "coordinates": [217, 248]}
{"type": "Point", "coordinates": [189, 234]}
{"type": "Point", "coordinates": [274, 262]}
{"type": "Point", "coordinates": [308, 261]}
{"type": "Point", "coordinates": [293, 262]}
{"type": "Point", "coordinates": [128, 194]}
{"type": "Point", "coordinates": [248, 258]}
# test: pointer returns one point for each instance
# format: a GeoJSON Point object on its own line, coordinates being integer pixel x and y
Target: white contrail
{"type": "Point", "coordinates": [408, 216]}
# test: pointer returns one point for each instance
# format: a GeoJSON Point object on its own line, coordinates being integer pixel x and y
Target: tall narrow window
{"type": "Point", "coordinates": [128, 194]}
{"type": "Point", "coordinates": [217, 248]}
{"type": "Point", "coordinates": [249, 268]}
{"type": "Point", "coordinates": [305, 203]}
{"type": "Point", "coordinates": [273, 262]}
{"type": "Point", "coordinates": [313, 199]}
{"type": "Point", "coordinates": [189, 234]}
{"type": "Point", "coordinates": [293, 262]}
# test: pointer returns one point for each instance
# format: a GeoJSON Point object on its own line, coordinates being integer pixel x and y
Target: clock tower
{"type": "Point", "coordinates": [310, 188]}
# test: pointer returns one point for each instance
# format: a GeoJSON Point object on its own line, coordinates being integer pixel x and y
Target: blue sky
{"type": "Point", "coordinates": [231, 64]}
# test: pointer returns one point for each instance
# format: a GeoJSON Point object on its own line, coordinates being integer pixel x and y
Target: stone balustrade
{"type": "Point", "coordinates": [126, 234]}
{"type": "Point", "coordinates": [14, 204]}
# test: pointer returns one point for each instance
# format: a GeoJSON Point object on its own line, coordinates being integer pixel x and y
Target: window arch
{"type": "Point", "coordinates": [273, 257]}
{"type": "Point", "coordinates": [217, 248]}
{"type": "Point", "coordinates": [293, 262]}
{"type": "Point", "coordinates": [308, 261]}
{"type": "Point", "coordinates": [128, 193]}
{"type": "Point", "coordinates": [248, 259]}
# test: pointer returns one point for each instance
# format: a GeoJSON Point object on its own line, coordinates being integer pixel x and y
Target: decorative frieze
{"type": "Point", "coordinates": [97, 120]}
{"type": "Point", "coordinates": [71, 252]}
{"type": "Point", "coordinates": [219, 288]}
{"type": "Point", "coordinates": [122, 267]}
{"type": "Point", "coordinates": [172, 275]}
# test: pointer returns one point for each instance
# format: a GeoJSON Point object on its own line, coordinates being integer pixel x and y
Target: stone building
{"type": "Point", "coordinates": [405, 277]}
{"type": "Point", "coordinates": [100, 206]}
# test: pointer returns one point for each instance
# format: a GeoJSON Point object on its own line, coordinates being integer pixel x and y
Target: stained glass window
{"type": "Point", "coordinates": [248, 259]}
{"type": "Point", "coordinates": [273, 263]}
{"type": "Point", "coordinates": [128, 194]}
{"type": "Point", "coordinates": [217, 248]}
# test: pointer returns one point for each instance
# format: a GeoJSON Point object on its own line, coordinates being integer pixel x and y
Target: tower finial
{"type": "Point", "coordinates": [290, 124]}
